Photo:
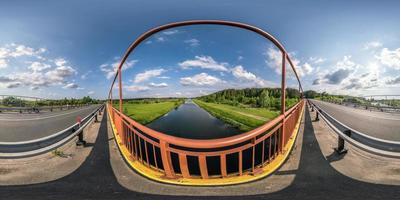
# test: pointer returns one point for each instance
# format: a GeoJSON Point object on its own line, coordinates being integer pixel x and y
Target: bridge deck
{"type": "Point", "coordinates": [314, 179]}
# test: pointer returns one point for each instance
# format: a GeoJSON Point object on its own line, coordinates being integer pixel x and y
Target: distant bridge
{"type": "Point", "coordinates": [3, 96]}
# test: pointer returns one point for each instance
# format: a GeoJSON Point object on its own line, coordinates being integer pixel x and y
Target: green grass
{"type": "Point", "coordinates": [145, 113]}
{"type": "Point", "coordinates": [243, 118]}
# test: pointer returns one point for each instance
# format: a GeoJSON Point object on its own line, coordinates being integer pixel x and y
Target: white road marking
{"type": "Point", "coordinates": [39, 118]}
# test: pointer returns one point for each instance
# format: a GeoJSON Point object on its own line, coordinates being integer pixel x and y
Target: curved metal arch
{"type": "Point", "coordinates": [149, 33]}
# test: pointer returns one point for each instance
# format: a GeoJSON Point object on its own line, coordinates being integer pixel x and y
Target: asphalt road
{"type": "Point", "coordinates": [315, 179]}
{"type": "Point", "coordinates": [377, 124]}
{"type": "Point", "coordinates": [23, 127]}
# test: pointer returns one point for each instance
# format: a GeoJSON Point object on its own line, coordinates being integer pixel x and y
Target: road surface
{"type": "Point", "coordinates": [377, 124]}
{"type": "Point", "coordinates": [23, 127]}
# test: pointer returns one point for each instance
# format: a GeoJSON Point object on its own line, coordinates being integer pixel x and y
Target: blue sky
{"type": "Point", "coordinates": [67, 49]}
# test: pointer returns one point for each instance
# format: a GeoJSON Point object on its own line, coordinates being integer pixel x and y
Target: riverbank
{"type": "Point", "coordinates": [145, 113]}
{"type": "Point", "coordinates": [243, 118]}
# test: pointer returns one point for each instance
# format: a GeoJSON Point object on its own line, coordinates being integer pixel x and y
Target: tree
{"type": "Point", "coordinates": [264, 99]}
{"type": "Point", "coordinates": [311, 94]}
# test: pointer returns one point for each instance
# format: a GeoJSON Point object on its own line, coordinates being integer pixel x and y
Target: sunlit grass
{"type": "Point", "coordinates": [244, 118]}
{"type": "Point", "coordinates": [145, 113]}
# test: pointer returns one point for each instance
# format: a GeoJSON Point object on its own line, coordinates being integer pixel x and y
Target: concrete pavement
{"type": "Point", "coordinates": [377, 124]}
{"type": "Point", "coordinates": [23, 127]}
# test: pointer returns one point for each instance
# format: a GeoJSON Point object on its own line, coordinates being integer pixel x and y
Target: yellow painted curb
{"type": "Point", "coordinates": [158, 176]}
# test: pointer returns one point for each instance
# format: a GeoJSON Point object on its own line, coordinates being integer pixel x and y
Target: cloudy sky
{"type": "Point", "coordinates": [56, 50]}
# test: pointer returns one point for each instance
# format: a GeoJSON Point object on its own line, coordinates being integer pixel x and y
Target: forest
{"type": "Point", "coordinates": [253, 97]}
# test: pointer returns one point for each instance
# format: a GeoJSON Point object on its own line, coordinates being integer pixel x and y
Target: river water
{"type": "Point", "coordinates": [191, 121]}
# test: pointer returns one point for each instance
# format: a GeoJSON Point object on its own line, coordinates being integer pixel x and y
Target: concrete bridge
{"type": "Point", "coordinates": [291, 156]}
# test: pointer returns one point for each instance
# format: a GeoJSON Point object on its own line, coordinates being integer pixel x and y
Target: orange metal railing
{"type": "Point", "coordinates": [251, 150]}
{"type": "Point", "coordinates": [176, 157]}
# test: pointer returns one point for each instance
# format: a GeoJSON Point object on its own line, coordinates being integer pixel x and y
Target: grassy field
{"type": "Point", "coordinates": [244, 118]}
{"type": "Point", "coordinates": [145, 113]}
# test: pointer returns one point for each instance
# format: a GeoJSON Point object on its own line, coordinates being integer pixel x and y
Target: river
{"type": "Point", "coordinates": [191, 121]}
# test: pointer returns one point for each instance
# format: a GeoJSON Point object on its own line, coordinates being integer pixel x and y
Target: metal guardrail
{"type": "Point", "coordinates": [45, 144]}
{"type": "Point", "coordinates": [360, 140]}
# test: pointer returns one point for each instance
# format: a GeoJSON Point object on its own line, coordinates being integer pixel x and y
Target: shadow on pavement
{"type": "Point", "coordinates": [315, 179]}
{"type": "Point", "coordinates": [333, 157]}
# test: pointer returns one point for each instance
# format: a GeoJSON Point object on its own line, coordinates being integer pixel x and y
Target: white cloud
{"type": "Point", "coordinates": [38, 73]}
{"type": "Point", "coordinates": [346, 63]}
{"type": "Point", "coordinates": [3, 63]}
{"type": "Point", "coordinates": [71, 86]}
{"type": "Point", "coordinates": [60, 73]}
{"type": "Point", "coordinates": [158, 85]}
{"type": "Point", "coordinates": [390, 58]}
{"type": "Point", "coordinates": [204, 62]}
{"type": "Point", "coordinates": [148, 74]}
{"type": "Point", "coordinates": [240, 58]}
{"type": "Point", "coordinates": [110, 69]}
{"type": "Point", "coordinates": [13, 85]}
{"type": "Point", "coordinates": [393, 81]}
{"type": "Point", "coordinates": [4, 52]}
{"type": "Point", "coordinates": [39, 66]}
{"type": "Point", "coordinates": [85, 75]}
{"type": "Point", "coordinates": [344, 75]}
{"type": "Point", "coordinates": [137, 88]}
{"type": "Point", "coordinates": [274, 61]}
{"type": "Point", "coordinates": [240, 73]}
{"type": "Point", "coordinates": [6, 79]}
{"type": "Point", "coordinates": [160, 39]}
{"type": "Point", "coordinates": [22, 50]}
{"type": "Point", "coordinates": [60, 62]}
{"type": "Point", "coordinates": [35, 87]}
{"type": "Point", "coordinates": [202, 79]}
{"type": "Point", "coordinates": [306, 68]}
{"type": "Point", "coordinates": [193, 42]}
{"type": "Point", "coordinates": [170, 32]}
{"type": "Point", "coordinates": [91, 92]}
{"type": "Point", "coordinates": [12, 51]}
{"type": "Point", "coordinates": [372, 45]}
{"type": "Point", "coordinates": [109, 72]}
{"type": "Point", "coordinates": [317, 60]}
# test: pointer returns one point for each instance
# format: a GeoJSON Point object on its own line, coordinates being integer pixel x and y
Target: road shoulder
{"type": "Point", "coordinates": [51, 165]}
{"type": "Point", "coordinates": [356, 164]}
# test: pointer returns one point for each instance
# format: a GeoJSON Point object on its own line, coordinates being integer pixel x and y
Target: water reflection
{"type": "Point", "coordinates": [191, 121]}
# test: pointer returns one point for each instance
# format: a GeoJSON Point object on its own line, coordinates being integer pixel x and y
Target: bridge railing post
{"type": "Point", "coordinates": [166, 160]}
{"type": "Point", "coordinates": [81, 141]}
{"type": "Point", "coordinates": [340, 148]}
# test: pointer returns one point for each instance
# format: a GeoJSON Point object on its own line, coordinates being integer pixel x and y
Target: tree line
{"type": "Point", "coordinates": [18, 102]}
{"type": "Point", "coordinates": [253, 97]}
